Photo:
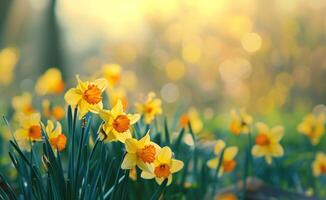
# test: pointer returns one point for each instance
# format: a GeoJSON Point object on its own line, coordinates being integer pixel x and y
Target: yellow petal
{"type": "Point", "coordinates": [147, 175]}
{"type": "Point", "coordinates": [169, 180]}
{"type": "Point", "coordinates": [117, 109]}
{"type": "Point", "coordinates": [133, 118]}
{"type": "Point", "coordinates": [220, 144]}
{"type": "Point", "coordinates": [96, 108]}
{"type": "Point", "coordinates": [176, 165]}
{"type": "Point", "coordinates": [129, 161]}
{"type": "Point", "coordinates": [83, 107]}
{"type": "Point", "coordinates": [81, 85]}
{"type": "Point", "coordinates": [213, 163]}
{"type": "Point", "coordinates": [165, 155]}
{"type": "Point", "coordinates": [258, 151]}
{"type": "Point", "coordinates": [159, 180]}
{"type": "Point", "coordinates": [277, 133]}
{"type": "Point", "coordinates": [49, 127]}
{"type": "Point", "coordinates": [131, 145]}
{"type": "Point", "coordinates": [230, 153]}
{"type": "Point", "coordinates": [105, 115]}
{"type": "Point", "coordinates": [122, 136]}
{"type": "Point", "coordinates": [101, 83]}
{"type": "Point", "coordinates": [144, 140]}
{"type": "Point", "coordinates": [73, 96]}
{"type": "Point", "coordinates": [277, 150]}
{"type": "Point", "coordinates": [268, 159]}
{"type": "Point", "coordinates": [262, 127]}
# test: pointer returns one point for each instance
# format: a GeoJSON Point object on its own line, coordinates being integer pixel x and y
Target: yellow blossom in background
{"type": "Point", "coordinates": [117, 124]}
{"type": "Point", "coordinates": [29, 131]}
{"type": "Point", "coordinates": [313, 127]}
{"type": "Point", "coordinates": [240, 122]}
{"type": "Point", "coordinates": [150, 108]}
{"type": "Point", "coordinates": [163, 167]}
{"type": "Point", "coordinates": [87, 96]}
{"type": "Point", "coordinates": [50, 82]}
{"type": "Point", "coordinates": [319, 164]}
{"type": "Point", "coordinates": [268, 142]}
{"type": "Point", "coordinates": [116, 94]}
{"type": "Point", "coordinates": [23, 103]}
{"type": "Point", "coordinates": [139, 152]}
{"type": "Point", "coordinates": [57, 112]}
{"type": "Point", "coordinates": [112, 73]}
{"type": "Point", "coordinates": [57, 139]}
{"type": "Point", "coordinates": [8, 61]}
{"type": "Point", "coordinates": [193, 117]}
{"type": "Point", "coordinates": [228, 163]}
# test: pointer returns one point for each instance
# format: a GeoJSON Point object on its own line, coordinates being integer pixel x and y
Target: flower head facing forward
{"type": "Point", "coordinates": [319, 164]}
{"type": "Point", "coordinates": [163, 167]}
{"type": "Point", "coordinates": [87, 96]}
{"type": "Point", "coordinates": [150, 108]}
{"type": "Point", "coordinates": [228, 163]}
{"type": "Point", "coordinates": [313, 127]}
{"type": "Point", "coordinates": [29, 131]}
{"type": "Point", "coordinates": [57, 139]}
{"type": "Point", "coordinates": [193, 117]}
{"type": "Point", "coordinates": [240, 122]}
{"type": "Point", "coordinates": [268, 142]}
{"type": "Point", "coordinates": [139, 153]}
{"type": "Point", "coordinates": [117, 124]}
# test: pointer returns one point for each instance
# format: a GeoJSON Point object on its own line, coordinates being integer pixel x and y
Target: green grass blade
{"type": "Point", "coordinates": [159, 190]}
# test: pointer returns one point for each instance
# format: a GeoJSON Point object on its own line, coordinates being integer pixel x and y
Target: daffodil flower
{"type": "Point", "coordinates": [50, 82]}
{"type": "Point", "coordinates": [112, 73]}
{"type": "Point", "coordinates": [87, 96]}
{"type": "Point", "coordinates": [56, 138]}
{"type": "Point", "coordinates": [139, 152]}
{"type": "Point", "coordinates": [313, 127]}
{"type": "Point", "coordinates": [163, 167]}
{"type": "Point", "coordinates": [192, 116]}
{"type": "Point", "coordinates": [268, 142]}
{"type": "Point", "coordinates": [30, 130]}
{"type": "Point", "coordinates": [319, 164]}
{"type": "Point", "coordinates": [117, 124]}
{"type": "Point", "coordinates": [23, 104]}
{"type": "Point", "coordinates": [151, 108]}
{"type": "Point", "coordinates": [240, 122]}
{"type": "Point", "coordinates": [228, 162]}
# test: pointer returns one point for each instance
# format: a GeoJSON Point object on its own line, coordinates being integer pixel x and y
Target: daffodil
{"type": "Point", "coordinates": [228, 163]}
{"type": "Point", "coordinates": [227, 196]}
{"type": "Point", "coordinates": [150, 108]}
{"type": "Point", "coordinates": [50, 82]}
{"type": "Point", "coordinates": [57, 112]}
{"type": "Point", "coordinates": [133, 174]}
{"type": "Point", "coordinates": [117, 124]}
{"type": "Point", "coordinates": [192, 116]}
{"type": "Point", "coordinates": [112, 73]}
{"type": "Point", "coordinates": [29, 131]}
{"type": "Point", "coordinates": [240, 122]}
{"type": "Point", "coordinates": [116, 94]}
{"type": "Point", "coordinates": [8, 61]}
{"type": "Point", "coordinates": [23, 104]}
{"type": "Point", "coordinates": [313, 127]}
{"type": "Point", "coordinates": [87, 96]}
{"type": "Point", "coordinates": [139, 153]}
{"type": "Point", "coordinates": [163, 167]}
{"type": "Point", "coordinates": [319, 164]}
{"type": "Point", "coordinates": [268, 142]}
{"type": "Point", "coordinates": [56, 138]}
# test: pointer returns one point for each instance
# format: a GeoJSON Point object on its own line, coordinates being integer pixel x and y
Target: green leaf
{"type": "Point", "coordinates": [167, 133]}
{"type": "Point", "coordinates": [160, 190]}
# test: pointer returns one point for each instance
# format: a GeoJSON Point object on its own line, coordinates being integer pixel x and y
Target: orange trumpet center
{"type": "Point", "coordinates": [162, 171]}
{"type": "Point", "coordinates": [121, 123]}
{"type": "Point", "coordinates": [59, 142]}
{"type": "Point", "coordinates": [147, 154]}
{"type": "Point", "coordinates": [92, 95]}
{"type": "Point", "coordinates": [323, 169]}
{"type": "Point", "coordinates": [34, 132]}
{"type": "Point", "coordinates": [262, 140]}
{"type": "Point", "coordinates": [229, 165]}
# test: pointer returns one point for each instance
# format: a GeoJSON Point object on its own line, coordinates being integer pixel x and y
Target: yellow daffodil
{"type": "Point", "coordinates": [150, 108]}
{"type": "Point", "coordinates": [192, 116]}
{"type": "Point", "coordinates": [313, 127]}
{"type": "Point", "coordinates": [29, 131]}
{"type": "Point", "coordinates": [112, 73]}
{"type": "Point", "coordinates": [240, 122]}
{"type": "Point", "coordinates": [228, 163]}
{"type": "Point", "coordinates": [139, 152]}
{"type": "Point", "coordinates": [56, 138]}
{"type": "Point", "coordinates": [319, 164]}
{"type": "Point", "coordinates": [133, 174]}
{"type": "Point", "coordinates": [50, 83]}
{"type": "Point", "coordinates": [227, 196]}
{"type": "Point", "coordinates": [8, 61]}
{"type": "Point", "coordinates": [23, 104]}
{"type": "Point", "coordinates": [268, 142]}
{"type": "Point", "coordinates": [117, 124]}
{"type": "Point", "coordinates": [87, 96]}
{"type": "Point", "coordinates": [57, 112]}
{"type": "Point", "coordinates": [163, 167]}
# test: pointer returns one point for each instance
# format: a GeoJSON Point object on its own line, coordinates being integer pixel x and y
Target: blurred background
{"type": "Point", "coordinates": [266, 56]}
